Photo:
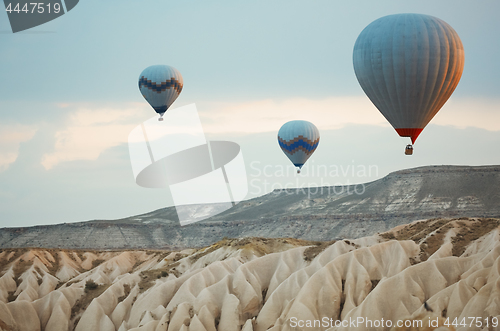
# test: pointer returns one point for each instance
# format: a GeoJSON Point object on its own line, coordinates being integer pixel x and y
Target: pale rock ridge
{"type": "Point", "coordinates": [7, 284]}
{"type": "Point", "coordinates": [254, 284]}
{"type": "Point", "coordinates": [348, 280]}
{"type": "Point", "coordinates": [281, 298]}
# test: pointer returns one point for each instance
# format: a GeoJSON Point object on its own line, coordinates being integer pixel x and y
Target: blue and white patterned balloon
{"type": "Point", "coordinates": [298, 140]}
{"type": "Point", "coordinates": [160, 85]}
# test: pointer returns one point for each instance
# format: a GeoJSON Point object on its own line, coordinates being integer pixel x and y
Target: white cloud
{"type": "Point", "coordinates": [335, 113]}
{"type": "Point", "coordinates": [91, 130]}
{"type": "Point", "coordinates": [11, 136]}
{"type": "Point", "coordinates": [270, 115]}
{"type": "Point", "coordinates": [481, 113]}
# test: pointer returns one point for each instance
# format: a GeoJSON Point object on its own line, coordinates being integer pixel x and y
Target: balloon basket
{"type": "Point", "coordinates": [409, 150]}
{"type": "Point", "coordinates": [160, 119]}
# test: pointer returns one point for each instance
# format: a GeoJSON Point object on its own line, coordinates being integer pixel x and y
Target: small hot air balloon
{"type": "Point", "coordinates": [160, 85]}
{"type": "Point", "coordinates": [408, 65]}
{"type": "Point", "coordinates": [298, 140]}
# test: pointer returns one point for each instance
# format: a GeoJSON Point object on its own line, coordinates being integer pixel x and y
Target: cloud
{"type": "Point", "coordinates": [90, 130]}
{"type": "Point", "coordinates": [335, 113]}
{"type": "Point", "coordinates": [270, 115]}
{"type": "Point", "coordinates": [11, 136]}
{"type": "Point", "coordinates": [483, 113]}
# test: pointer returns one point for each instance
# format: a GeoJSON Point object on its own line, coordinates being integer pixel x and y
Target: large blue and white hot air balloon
{"type": "Point", "coordinates": [160, 85]}
{"type": "Point", "coordinates": [298, 140]}
{"type": "Point", "coordinates": [408, 65]}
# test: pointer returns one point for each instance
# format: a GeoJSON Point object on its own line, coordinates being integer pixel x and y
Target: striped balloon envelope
{"type": "Point", "coordinates": [160, 85]}
{"type": "Point", "coordinates": [408, 65]}
{"type": "Point", "coordinates": [298, 140]}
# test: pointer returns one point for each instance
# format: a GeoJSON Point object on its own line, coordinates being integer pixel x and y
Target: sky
{"type": "Point", "coordinates": [69, 97]}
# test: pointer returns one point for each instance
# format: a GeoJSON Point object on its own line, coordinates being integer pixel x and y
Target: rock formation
{"type": "Point", "coordinates": [440, 271]}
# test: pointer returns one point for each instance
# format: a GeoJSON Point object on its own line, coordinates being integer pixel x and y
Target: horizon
{"type": "Point", "coordinates": [294, 190]}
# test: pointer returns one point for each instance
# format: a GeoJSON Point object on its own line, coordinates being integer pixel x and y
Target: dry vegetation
{"type": "Point", "coordinates": [311, 252]}
{"type": "Point", "coordinates": [470, 232]}
{"type": "Point", "coordinates": [149, 277]}
{"type": "Point", "coordinates": [85, 300]}
{"type": "Point", "coordinates": [430, 234]}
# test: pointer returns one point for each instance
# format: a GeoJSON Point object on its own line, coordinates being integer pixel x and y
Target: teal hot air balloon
{"type": "Point", "coordinates": [298, 140]}
{"type": "Point", "coordinates": [160, 85]}
{"type": "Point", "coordinates": [408, 65]}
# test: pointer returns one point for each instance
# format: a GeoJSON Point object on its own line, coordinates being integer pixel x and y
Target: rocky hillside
{"type": "Point", "coordinates": [323, 213]}
{"type": "Point", "coordinates": [439, 271]}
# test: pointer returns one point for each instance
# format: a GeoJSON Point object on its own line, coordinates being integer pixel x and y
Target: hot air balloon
{"type": "Point", "coordinates": [160, 85]}
{"type": "Point", "coordinates": [408, 65]}
{"type": "Point", "coordinates": [298, 140]}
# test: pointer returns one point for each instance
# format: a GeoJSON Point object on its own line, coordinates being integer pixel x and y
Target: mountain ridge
{"type": "Point", "coordinates": [319, 213]}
